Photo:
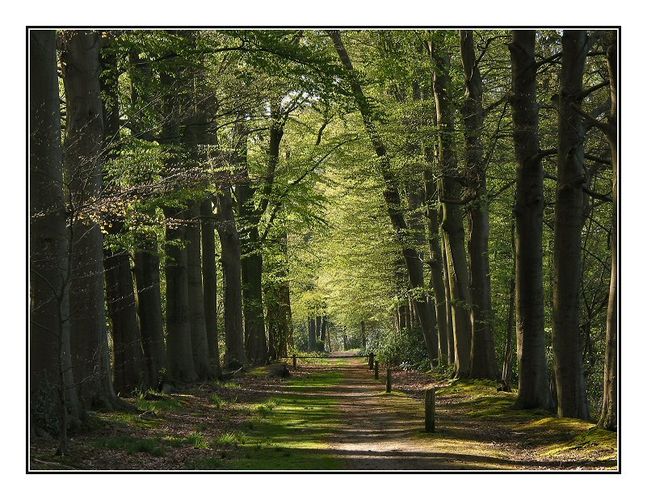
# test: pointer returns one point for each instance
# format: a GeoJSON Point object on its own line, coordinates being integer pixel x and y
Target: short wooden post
{"type": "Point", "coordinates": [294, 361]}
{"type": "Point", "coordinates": [376, 370]}
{"type": "Point", "coordinates": [388, 379]}
{"type": "Point", "coordinates": [430, 410]}
{"type": "Point", "coordinates": [371, 358]}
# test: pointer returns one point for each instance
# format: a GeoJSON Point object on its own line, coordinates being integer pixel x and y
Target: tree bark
{"type": "Point", "coordinates": [393, 202]}
{"type": "Point", "coordinates": [251, 254]}
{"type": "Point", "coordinates": [231, 277]}
{"type": "Point", "coordinates": [129, 371]}
{"type": "Point", "coordinates": [436, 258]}
{"type": "Point", "coordinates": [199, 342]}
{"type": "Point", "coordinates": [483, 360]}
{"type": "Point", "coordinates": [312, 334]}
{"type": "Point", "coordinates": [179, 348]}
{"type": "Point", "coordinates": [149, 307]}
{"type": "Point", "coordinates": [83, 172]}
{"type": "Point", "coordinates": [49, 328]}
{"type": "Point", "coordinates": [210, 283]}
{"type": "Point", "coordinates": [608, 417]}
{"type": "Point", "coordinates": [452, 219]}
{"type": "Point", "coordinates": [529, 207]}
{"type": "Point", "coordinates": [569, 218]}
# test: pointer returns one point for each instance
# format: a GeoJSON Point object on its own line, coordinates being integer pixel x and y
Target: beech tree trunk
{"type": "Point", "coordinates": [608, 417]}
{"type": "Point", "coordinates": [251, 255]}
{"type": "Point", "coordinates": [179, 346]}
{"type": "Point", "coordinates": [451, 358]}
{"type": "Point", "coordinates": [83, 163]}
{"type": "Point", "coordinates": [149, 307]}
{"type": "Point", "coordinates": [231, 277]}
{"type": "Point", "coordinates": [210, 283]}
{"type": "Point", "coordinates": [394, 204]}
{"type": "Point", "coordinates": [51, 385]}
{"type": "Point", "coordinates": [129, 371]}
{"type": "Point", "coordinates": [312, 334]}
{"type": "Point", "coordinates": [569, 218]}
{"type": "Point", "coordinates": [483, 360]}
{"type": "Point", "coordinates": [452, 218]}
{"type": "Point", "coordinates": [529, 209]}
{"type": "Point", "coordinates": [436, 259]}
{"type": "Point", "coordinates": [199, 342]}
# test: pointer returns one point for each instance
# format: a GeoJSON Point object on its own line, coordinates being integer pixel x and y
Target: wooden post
{"type": "Point", "coordinates": [294, 361]}
{"type": "Point", "coordinates": [376, 369]}
{"type": "Point", "coordinates": [388, 379]}
{"type": "Point", "coordinates": [430, 410]}
{"type": "Point", "coordinates": [371, 358]}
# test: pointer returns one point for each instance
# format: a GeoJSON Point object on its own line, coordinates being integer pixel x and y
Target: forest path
{"type": "Point", "coordinates": [380, 431]}
{"type": "Point", "coordinates": [386, 431]}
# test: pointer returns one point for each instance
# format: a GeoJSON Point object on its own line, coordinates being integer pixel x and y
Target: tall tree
{"type": "Point", "coordinates": [210, 283]}
{"type": "Point", "coordinates": [450, 195]}
{"type": "Point", "coordinates": [83, 161]}
{"type": "Point", "coordinates": [609, 414]}
{"type": "Point", "coordinates": [394, 203]}
{"type": "Point", "coordinates": [483, 362]}
{"type": "Point", "coordinates": [49, 328]}
{"type": "Point", "coordinates": [179, 350]}
{"type": "Point", "coordinates": [129, 372]}
{"type": "Point", "coordinates": [569, 218]}
{"type": "Point", "coordinates": [231, 277]}
{"type": "Point", "coordinates": [528, 211]}
{"type": "Point", "coordinates": [251, 254]}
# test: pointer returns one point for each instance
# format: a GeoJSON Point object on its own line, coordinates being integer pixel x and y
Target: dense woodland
{"type": "Point", "coordinates": [208, 201]}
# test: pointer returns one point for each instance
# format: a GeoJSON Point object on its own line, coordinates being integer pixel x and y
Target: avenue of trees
{"type": "Point", "coordinates": [202, 201]}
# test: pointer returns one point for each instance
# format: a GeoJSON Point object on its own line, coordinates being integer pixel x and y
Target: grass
{"type": "Point", "coordinates": [132, 445]}
{"type": "Point", "coordinates": [290, 432]}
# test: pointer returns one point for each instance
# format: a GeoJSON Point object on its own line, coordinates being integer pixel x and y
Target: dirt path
{"type": "Point", "coordinates": [385, 432]}
{"type": "Point", "coordinates": [330, 415]}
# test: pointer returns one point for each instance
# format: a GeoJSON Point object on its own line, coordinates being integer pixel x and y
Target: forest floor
{"type": "Point", "coordinates": [329, 414]}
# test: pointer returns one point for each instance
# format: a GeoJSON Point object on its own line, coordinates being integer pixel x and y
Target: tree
{"type": "Point", "coordinates": [528, 212]}
{"type": "Point", "coordinates": [129, 372]}
{"type": "Point", "coordinates": [450, 194]}
{"type": "Point", "coordinates": [569, 217]}
{"type": "Point", "coordinates": [609, 414]}
{"type": "Point", "coordinates": [83, 161]}
{"type": "Point", "coordinates": [483, 362]}
{"type": "Point", "coordinates": [49, 328]}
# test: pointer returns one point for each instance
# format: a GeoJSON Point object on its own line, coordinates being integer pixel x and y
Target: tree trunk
{"type": "Point", "coordinates": [608, 416]}
{"type": "Point", "coordinates": [149, 307]}
{"type": "Point", "coordinates": [393, 202]}
{"type": "Point", "coordinates": [251, 254]}
{"type": "Point", "coordinates": [452, 218]}
{"type": "Point", "coordinates": [312, 334]}
{"type": "Point", "coordinates": [362, 327]}
{"type": "Point", "coordinates": [179, 347]}
{"type": "Point", "coordinates": [529, 208]}
{"type": "Point", "coordinates": [49, 328]}
{"type": "Point", "coordinates": [129, 371]}
{"type": "Point", "coordinates": [83, 168]}
{"type": "Point", "coordinates": [199, 342]}
{"type": "Point", "coordinates": [451, 358]}
{"type": "Point", "coordinates": [483, 360]}
{"type": "Point", "coordinates": [231, 277]}
{"type": "Point", "coordinates": [436, 260]}
{"type": "Point", "coordinates": [209, 284]}
{"type": "Point", "coordinates": [569, 218]}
